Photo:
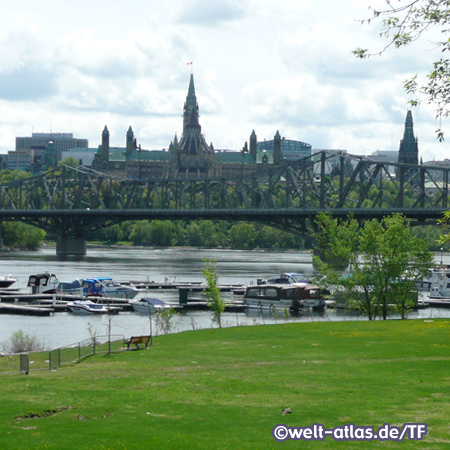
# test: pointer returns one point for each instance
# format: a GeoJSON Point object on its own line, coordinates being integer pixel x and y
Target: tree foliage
{"type": "Point", "coordinates": [70, 161]}
{"type": "Point", "coordinates": [213, 298]}
{"type": "Point", "coordinates": [21, 236]}
{"type": "Point", "coordinates": [403, 23]}
{"type": "Point", "coordinates": [385, 260]}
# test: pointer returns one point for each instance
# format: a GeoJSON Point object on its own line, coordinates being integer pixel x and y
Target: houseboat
{"type": "Point", "coordinates": [284, 296]}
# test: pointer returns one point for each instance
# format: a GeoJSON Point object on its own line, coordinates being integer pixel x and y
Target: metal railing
{"type": "Point", "coordinates": [53, 359]}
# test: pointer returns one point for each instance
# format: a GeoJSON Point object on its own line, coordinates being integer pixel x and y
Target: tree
{"type": "Point", "coordinates": [161, 233]}
{"type": "Point", "coordinates": [213, 298]}
{"type": "Point", "coordinates": [385, 260]}
{"type": "Point", "coordinates": [18, 235]}
{"type": "Point", "coordinates": [69, 161]}
{"type": "Point", "coordinates": [242, 235]}
{"type": "Point", "coordinates": [404, 24]}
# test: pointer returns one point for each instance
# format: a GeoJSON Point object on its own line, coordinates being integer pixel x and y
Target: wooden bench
{"type": "Point", "coordinates": [136, 340]}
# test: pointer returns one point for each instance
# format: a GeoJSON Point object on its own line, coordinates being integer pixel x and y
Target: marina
{"type": "Point", "coordinates": [163, 274]}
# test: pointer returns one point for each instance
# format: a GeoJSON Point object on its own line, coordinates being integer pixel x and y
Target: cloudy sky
{"type": "Point", "coordinates": [76, 66]}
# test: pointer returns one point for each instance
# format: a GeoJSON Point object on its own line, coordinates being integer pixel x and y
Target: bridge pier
{"type": "Point", "coordinates": [68, 246]}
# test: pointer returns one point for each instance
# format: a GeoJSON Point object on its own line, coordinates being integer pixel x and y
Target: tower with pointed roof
{"type": "Point", "coordinates": [105, 149]}
{"type": "Point", "coordinates": [253, 145]}
{"type": "Point", "coordinates": [409, 149]}
{"type": "Point", "coordinates": [130, 142]}
{"type": "Point", "coordinates": [277, 156]}
{"type": "Point", "coordinates": [191, 157]}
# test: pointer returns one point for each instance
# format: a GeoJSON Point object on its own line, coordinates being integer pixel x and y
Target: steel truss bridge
{"type": "Point", "coordinates": [72, 202]}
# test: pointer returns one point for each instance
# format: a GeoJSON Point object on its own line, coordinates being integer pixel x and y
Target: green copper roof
{"type": "Point", "coordinates": [148, 155]}
{"type": "Point", "coordinates": [234, 158]}
{"type": "Point", "coordinates": [117, 154]}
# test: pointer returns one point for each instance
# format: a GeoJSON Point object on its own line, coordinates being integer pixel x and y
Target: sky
{"type": "Point", "coordinates": [265, 65]}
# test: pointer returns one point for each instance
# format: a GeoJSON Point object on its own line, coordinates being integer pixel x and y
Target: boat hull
{"type": "Point", "coordinates": [149, 305]}
{"type": "Point", "coordinates": [84, 308]}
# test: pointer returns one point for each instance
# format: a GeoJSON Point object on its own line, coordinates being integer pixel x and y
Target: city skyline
{"type": "Point", "coordinates": [262, 65]}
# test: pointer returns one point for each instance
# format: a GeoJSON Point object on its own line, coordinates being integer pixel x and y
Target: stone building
{"type": "Point", "coordinates": [191, 156]}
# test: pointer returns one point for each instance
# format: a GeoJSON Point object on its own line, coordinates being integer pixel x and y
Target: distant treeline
{"type": "Point", "coordinates": [201, 233]}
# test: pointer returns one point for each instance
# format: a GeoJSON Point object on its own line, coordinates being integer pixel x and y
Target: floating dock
{"type": "Point", "coordinates": [28, 310]}
{"type": "Point", "coordinates": [191, 297]}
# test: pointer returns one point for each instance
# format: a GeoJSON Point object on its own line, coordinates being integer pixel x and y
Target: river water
{"type": "Point", "coordinates": [158, 265]}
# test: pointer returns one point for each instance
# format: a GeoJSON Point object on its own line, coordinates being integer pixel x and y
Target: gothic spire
{"type": "Point", "coordinates": [190, 114]}
{"type": "Point", "coordinates": [409, 149]}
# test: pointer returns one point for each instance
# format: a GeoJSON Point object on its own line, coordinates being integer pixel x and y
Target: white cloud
{"type": "Point", "coordinates": [211, 13]}
{"type": "Point", "coordinates": [267, 65]}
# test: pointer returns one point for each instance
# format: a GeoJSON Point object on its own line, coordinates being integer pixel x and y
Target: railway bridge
{"type": "Point", "coordinates": [73, 202]}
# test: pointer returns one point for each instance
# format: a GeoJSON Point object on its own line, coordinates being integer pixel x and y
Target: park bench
{"type": "Point", "coordinates": [136, 340]}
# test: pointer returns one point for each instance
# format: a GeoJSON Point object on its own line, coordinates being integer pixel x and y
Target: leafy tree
{"type": "Point", "coordinates": [161, 232]}
{"type": "Point", "coordinates": [194, 235]}
{"type": "Point", "coordinates": [6, 175]}
{"type": "Point", "coordinates": [242, 235]}
{"type": "Point", "coordinates": [18, 235]}
{"type": "Point", "coordinates": [385, 260]}
{"type": "Point", "coordinates": [213, 298]}
{"type": "Point", "coordinates": [267, 237]}
{"type": "Point", "coordinates": [140, 234]}
{"type": "Point", "coordinates": [405, 24]}
{"type": "Point", "coordinates": [112, 233]}
{"type": "Point", "coordinates": [157, 232]}
{"type": "Point", "coordinates": [164, 319]}
{"type": "Point", "coordinates": [210, 237]}
{"type": "Point", "coordinates": [69, 161]}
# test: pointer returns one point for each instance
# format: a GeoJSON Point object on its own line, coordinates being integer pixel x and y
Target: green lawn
{"type": "Point", "coordinates": [225, 389]}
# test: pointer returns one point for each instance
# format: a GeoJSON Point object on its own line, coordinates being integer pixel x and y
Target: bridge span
{"type": "Point", "coordinates": [72, 202]}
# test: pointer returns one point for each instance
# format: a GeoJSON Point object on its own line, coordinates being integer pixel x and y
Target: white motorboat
{"type": "Point", "coordinates": [149, 305]}
{"type": "Point", "coordinates": [7, 281]}
{"type": "Point", "coordinates": [106, 287]}
{"type": "Point", "coordinates": [86, 307]}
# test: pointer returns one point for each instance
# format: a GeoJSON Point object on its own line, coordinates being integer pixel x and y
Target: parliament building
{"type": "Point", "coordinates": [191, 156]}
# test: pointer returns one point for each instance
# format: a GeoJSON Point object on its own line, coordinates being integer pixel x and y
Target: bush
{"type": "Point", "coordinates": [20, 342]}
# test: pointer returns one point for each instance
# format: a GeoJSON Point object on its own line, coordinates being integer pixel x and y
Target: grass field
{"type": "Point", "coordinates": [225, 389]}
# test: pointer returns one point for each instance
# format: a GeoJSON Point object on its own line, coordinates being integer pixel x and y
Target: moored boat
{"type": "Point", "coordinates": [106, 287]}
{"type": "Point", "coordinates": [286, 278]}
{"type": "Point", "coordinates": [7, 281]}
{"type": "Point", "coordinates": [41, 280]}
{"type": "Point", "coordinates": [280, 296]}
{"type": "Point", "coordinates": [87, 307]}
{"type": "Point", "coordinates": [437, 283]}
{"type": "Point", "coordinates": [148, 305]}
{"type": "Point", "coordinates": [73, 287]}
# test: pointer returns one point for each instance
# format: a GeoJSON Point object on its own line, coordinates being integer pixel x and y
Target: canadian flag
{"type": "Point", "coordinates": [189, 63]}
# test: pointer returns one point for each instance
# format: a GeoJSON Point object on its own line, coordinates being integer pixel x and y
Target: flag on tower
{"type": "Point", "coordinates": [189, 63]}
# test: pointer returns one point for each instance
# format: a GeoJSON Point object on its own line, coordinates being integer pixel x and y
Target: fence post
{"type": "Point", "coordinates": [79, 351]}
{"type": "Point", "coordinates": [59, 357]}
{"type": "Point", "coordinates": [25, 363]}
{"type": "Point", "coordinates": [93, 339]}
{"type": "Point", "coordinates": [50, 360]}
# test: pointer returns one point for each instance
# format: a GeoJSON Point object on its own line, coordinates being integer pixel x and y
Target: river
{"type": "Point", "coordinates": [158, 265]}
